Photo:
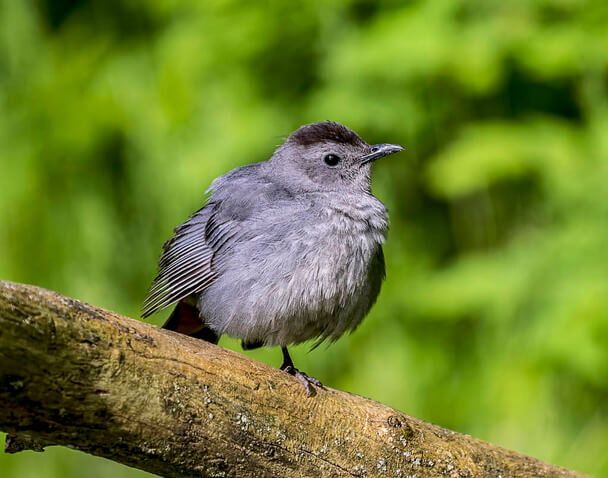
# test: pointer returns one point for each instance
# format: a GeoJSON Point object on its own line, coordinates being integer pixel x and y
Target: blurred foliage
{"type": "Point", "coordinates": [115, 116]}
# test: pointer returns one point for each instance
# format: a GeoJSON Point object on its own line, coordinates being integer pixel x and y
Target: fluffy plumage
{"type": "Point", "coordinates": [284, 251]}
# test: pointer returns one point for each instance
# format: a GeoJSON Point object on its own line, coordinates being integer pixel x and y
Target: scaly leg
{"type": "Point", "coordinates": [301, 376]}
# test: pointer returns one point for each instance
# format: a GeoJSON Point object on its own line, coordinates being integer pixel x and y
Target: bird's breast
{"type": "Point", "coordinates": [313, 274]}
{"type": "Point", "coordinates": [342, 246]}
{"type": "Point", "coordinates": [364, 217]}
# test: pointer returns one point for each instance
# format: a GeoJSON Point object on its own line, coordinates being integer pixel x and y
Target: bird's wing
{"type": "Point", "coordinates": [185, 264]}
{"type": "Point", "coordinates": [187, 261]}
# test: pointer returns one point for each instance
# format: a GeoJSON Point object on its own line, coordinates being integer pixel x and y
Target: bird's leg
{"type": "Point", "coordinates": [301, 376]}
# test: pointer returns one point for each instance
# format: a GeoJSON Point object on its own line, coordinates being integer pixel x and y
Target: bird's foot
{"type": "Point", "coordinates": [304, 379]}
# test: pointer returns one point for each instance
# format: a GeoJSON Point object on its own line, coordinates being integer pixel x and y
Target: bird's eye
{"type": "Point", "coordinates": [331, 159]}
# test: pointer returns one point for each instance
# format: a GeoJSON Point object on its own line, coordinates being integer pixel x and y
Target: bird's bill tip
{"type": "Point", "coordinates": [381, 150]}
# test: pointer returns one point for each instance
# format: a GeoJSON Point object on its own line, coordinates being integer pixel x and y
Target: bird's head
{"type": "Point", "coordinates": [328, 157]}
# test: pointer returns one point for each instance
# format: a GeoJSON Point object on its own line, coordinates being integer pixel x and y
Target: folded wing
{"type": "Point", "coordinates": [186, 264]}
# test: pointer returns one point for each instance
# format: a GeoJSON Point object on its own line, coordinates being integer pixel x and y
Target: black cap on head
{"type": "Point", "coordinates": [327, 131]}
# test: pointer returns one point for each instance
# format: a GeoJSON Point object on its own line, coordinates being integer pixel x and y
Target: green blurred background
{"type": "Point", "coordinates": [115, 116]}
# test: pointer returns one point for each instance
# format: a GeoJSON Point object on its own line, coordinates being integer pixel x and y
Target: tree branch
{"type": "Point", "coordinates": [75, 375]}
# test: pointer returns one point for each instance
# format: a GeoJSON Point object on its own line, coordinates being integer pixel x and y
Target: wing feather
{"type": "Point", "coordinates": [190, 260]}
{"type": "Point", "coordinates": [185, 265]}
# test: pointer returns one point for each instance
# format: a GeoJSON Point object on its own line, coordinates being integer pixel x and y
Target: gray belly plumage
{"type": "Point", "coordinates": [318, 281]}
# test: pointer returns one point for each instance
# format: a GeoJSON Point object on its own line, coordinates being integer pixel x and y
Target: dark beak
{"type": "Point", "coordinates": [380, 150]}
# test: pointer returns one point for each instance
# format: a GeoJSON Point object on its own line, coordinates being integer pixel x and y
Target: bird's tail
{"type": "Point", "coordinates": [186, 319]}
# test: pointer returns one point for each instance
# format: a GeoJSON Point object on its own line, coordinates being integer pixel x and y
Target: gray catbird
{"type": "Point", "coordinates": [284, 251]}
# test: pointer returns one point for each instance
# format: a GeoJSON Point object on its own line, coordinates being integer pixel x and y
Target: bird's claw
{"type": "Point", "coordinates": [304, 379]}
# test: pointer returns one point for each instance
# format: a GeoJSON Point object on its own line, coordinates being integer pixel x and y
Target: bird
{"type": "Point", "coordinates": [284, 251]}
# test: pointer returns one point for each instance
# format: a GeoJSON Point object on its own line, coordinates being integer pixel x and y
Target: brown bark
{"type": "Point", "coordinates": [73, 374]}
